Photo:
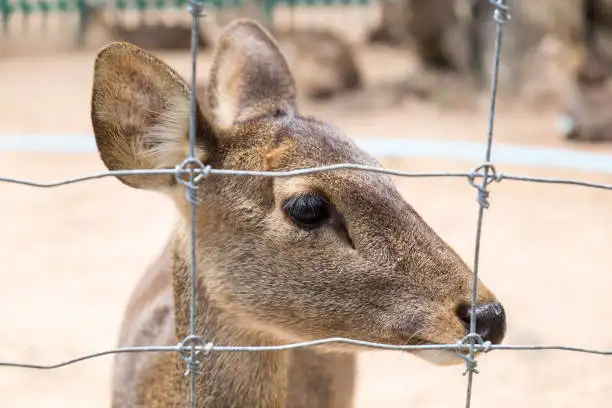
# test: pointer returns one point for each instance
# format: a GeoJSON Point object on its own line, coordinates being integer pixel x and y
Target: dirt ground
{"type": "Point", "coordinates": [71, 255]}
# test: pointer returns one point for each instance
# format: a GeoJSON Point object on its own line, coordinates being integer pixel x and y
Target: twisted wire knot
{"type": "Point", "coordinates": [189, 349]}
{"type": "Point", "coordinates": [471, 365]}
{"type": "Point", "coordinates": [196, 8]}
{"type": "Point", "coordinates": [487, 171]}
{"type": "Point", "coordinates": [501, 13]}
{"type": "Point", "coordinates": [469, 341]}
{"type": "Point", "coordinates": [193, 367]}
{"type": "Point", "coordinates": [190, 166]}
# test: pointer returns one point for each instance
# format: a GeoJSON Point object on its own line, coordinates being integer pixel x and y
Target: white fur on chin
{"type": "Point", "coordinates": [440, 357]}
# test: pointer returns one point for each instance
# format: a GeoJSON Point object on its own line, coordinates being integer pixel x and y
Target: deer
{"type": "Point", "coordinates": [325, 254]}
{"type": "Point", "coordinates": [324, 63]}
{"type": "Point", "coordinates": [586, 117]}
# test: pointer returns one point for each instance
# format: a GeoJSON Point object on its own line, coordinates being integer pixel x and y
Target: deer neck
{"type": "Point", "coordinates": [236, 379]}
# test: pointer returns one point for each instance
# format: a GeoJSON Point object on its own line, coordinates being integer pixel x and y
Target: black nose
{"type": "Point", "coordinates": [490, 320]}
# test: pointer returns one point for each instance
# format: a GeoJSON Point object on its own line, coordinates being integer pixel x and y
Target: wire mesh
{"type": "Point", "coordinates": [193, 345]}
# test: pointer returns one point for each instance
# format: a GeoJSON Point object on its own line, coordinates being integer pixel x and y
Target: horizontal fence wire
{"type": "Point", "coordinates": [470, 176]}
{"type": "Point", "coordinates": [210, 347]}
{"type": "Point", "coordinates": [193, 345]}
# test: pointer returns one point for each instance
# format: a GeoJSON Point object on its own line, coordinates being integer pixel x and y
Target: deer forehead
{"type": "Point", "coordinates": [293, 142]}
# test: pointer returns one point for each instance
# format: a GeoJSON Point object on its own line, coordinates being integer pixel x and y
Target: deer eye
{"type": "Point", "coordinates": [307, 211]}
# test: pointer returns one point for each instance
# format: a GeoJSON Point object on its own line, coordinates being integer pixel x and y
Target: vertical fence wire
{"type": "Point", "coordinates": [196, 8]}
{"type": "Point", "coordinates": [500, 15]}
{"type": "Point", "coordinates": [193, 343]}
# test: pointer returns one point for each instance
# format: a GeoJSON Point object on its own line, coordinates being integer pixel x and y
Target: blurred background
{"type": "Point", "coordinates": [408, 79]}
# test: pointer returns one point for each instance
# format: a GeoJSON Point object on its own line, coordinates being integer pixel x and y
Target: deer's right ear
{"type": "Point", "coordinates": [140, 115]}
{"type": "Point", "coordinates": [250, 77]}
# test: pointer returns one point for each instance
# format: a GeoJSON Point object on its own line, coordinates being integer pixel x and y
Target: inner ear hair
{"type": "Point", "coordinates": [140, 111]}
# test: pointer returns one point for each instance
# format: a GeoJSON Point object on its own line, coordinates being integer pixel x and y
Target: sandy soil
{"type": "Point", "coordinates": [71, 255]}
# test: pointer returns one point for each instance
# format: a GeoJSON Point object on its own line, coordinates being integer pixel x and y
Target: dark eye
{"type": "Point", "coordinates": [308, 210]}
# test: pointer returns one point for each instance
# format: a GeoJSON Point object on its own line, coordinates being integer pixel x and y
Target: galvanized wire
{"type": "Point", "coordinates": [196, 8]}
{"type": "Point", "coordinates": [209, 347]}
{"type": "Point", "coordinates": [207, 170]}
{"type": "Point", "coordinates": [500, 15]}
{"type": "Point", "coordinates": [193, 345]}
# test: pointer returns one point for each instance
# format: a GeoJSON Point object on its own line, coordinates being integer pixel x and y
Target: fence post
{"type": "Point", "coordinates": [26, 10]}
{"type": "Point", "coordinates": [84, 19]}
{"type": "Point", "coordinates": [266, 12]}
{"type": "Point", "coordinates": [45, 8]}
{"type": "Point", "coordinates": [6, 9]}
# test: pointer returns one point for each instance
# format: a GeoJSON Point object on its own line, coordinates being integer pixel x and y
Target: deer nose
{"type": "Point", "coordinates": [490, 320]}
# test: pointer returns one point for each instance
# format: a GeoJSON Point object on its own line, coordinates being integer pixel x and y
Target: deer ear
{"type": "Point", "coordinates": [140, 115]}
{"type": "Point", "coordinates": [249, 76]}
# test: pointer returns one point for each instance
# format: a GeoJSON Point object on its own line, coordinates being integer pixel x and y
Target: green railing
{"type": "Point", "coordinates": [10, 7]}
{"type": "Point", "coordinates": [25, 8]}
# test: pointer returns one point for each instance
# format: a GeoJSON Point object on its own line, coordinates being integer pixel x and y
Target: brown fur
{"type": "Point", "coordinates": [374, 271]}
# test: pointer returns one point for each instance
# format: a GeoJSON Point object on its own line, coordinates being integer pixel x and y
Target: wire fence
{"type": "Point", "coordinates": [193, 346]}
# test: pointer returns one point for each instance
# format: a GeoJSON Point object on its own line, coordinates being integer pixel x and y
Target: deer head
{"type": "Point", "coordinates": [588, 117]}
{"type": "Point", "coordinates": [329, 254]}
